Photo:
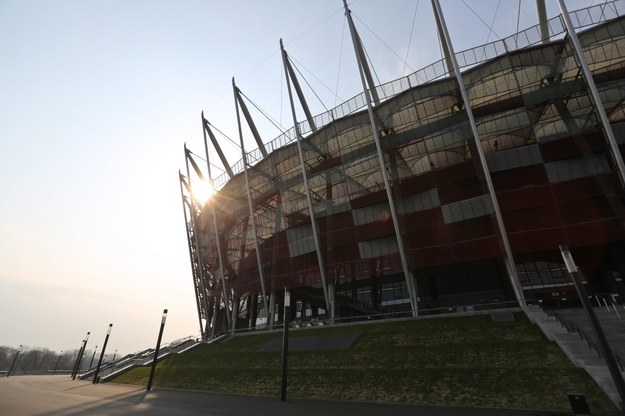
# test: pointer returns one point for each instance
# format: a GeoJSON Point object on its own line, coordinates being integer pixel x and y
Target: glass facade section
{"type": "Point", "coordinates": [578, 167]}
{"type": "Point", "coordinates": [550, 165]}
{"type": "Point", "coordinates": [467, 209]}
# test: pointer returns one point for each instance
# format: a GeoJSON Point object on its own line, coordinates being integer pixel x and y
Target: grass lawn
{"type": "Point", "coordinates": [467, 361]}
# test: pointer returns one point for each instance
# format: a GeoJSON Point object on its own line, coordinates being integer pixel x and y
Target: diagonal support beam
{"type": "Point", "coordinates": [410, 284]}
{"type": "Point", "coordinates": [311, 211]}
{"type": "Point", "coordinates": [594, 93]}
{"type": "Point", "coordinates": [298, 89]}
{"type": "Point", "coordinates": [509, 258]}
{"type": "Point", "coordinates": [189, 243]}
{"type": "Point", "coordinates": [196, 168]}
{"type": "Point", "coordinates": [250, 122]}
{"type": "Point", "coordinates": [216, 146]}
{"type": "Point", "coordinates": [211, 205]}
{"type": "Point", "coordinates": [261, 275]}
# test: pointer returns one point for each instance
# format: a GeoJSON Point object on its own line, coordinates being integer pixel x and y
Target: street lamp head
{"type": "Point", "coordinates": [109, 331]}
{"type": "Point", "coordinates": [164, 316]}
{"type": "Point", "coordinates": [287, 297]}
{"type": "Point", "coordinates": [571, 267]}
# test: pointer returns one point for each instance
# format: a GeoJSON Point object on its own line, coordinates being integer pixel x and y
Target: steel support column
{"type": "Point", "coordinates": [302, 162]}
{"type": "Point", "coordinates": [222, 265]}
{"type": "Point", "coordinates": [198, 254]}
{"type": "Point", "coordinates": [605, 121]}
{"type": "Point", "coordinates": [510, 264]}
{"type": "Point", "coordinates": [389, 192]}
{"type": "Point", "coordinates": [543, 24]}
{"type": "Point", "coordinates": [186, 226]}
{"type": "Point", "coordinates": [261, 276]}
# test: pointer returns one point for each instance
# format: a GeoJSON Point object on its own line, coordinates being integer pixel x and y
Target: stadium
{"type": "Point", "coordinates": [425, 194]}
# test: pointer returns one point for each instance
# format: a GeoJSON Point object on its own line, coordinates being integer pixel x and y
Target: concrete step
{"type": "Point", "coordinates": [576, 349]}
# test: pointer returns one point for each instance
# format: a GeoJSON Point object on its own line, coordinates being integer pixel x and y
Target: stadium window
{"type": "Point", "coordinates": [395, 293]}
{"type": "Point", "coordinates": [578, 167]}
{"type": "Point", "coordinates": [300, 240]}
{"type": "Point", "coordinates": [467, 209]}
{"type": "Point", "coordinates": [378, 247]}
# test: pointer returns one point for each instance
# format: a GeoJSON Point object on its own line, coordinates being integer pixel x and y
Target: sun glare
{"type": "Point", "coordinates": [202, 191]}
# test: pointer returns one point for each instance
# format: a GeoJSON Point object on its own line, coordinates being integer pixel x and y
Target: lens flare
{"type": "Point", "coordinates": [202, 191]}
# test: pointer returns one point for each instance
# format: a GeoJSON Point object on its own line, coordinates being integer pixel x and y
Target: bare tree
{"type": "Point", "coordinates": [6, 355]}
{"type": "Point", "coordinates": [36, 360]}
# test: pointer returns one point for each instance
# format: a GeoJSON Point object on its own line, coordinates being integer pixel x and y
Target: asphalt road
{"type": "Point", "coordinates": [60, 396]}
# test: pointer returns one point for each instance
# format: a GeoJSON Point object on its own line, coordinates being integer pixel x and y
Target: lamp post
{"type": "Point", "coordinates": [158, 347]}
{"type": "Point", "coordinates": [78, 360]}
{"type": "Point", "coordinates": [81, 352]}
{"type": "Point", "coordinates": [114, 355]}
{"type": "Point", "coordinates": [604, 347]}
{"type": "Point", "coordinates": [57, 363]}
{"type": "Point", "coordinates": [106, 340]}
{"type": "Point", "coordinates": [285, 343]}
{"type": "Point", "coordinates": [17, 354]}
{"type": "Point", "coordinates": [92, 358]}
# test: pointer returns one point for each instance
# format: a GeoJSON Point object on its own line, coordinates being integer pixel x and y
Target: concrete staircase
{"type": "Point", "coordinates": [611, 321]}
{"type": "Point", "coordinates": [138, 359]}
{"type": "Point", "coordinates": [576, 346]}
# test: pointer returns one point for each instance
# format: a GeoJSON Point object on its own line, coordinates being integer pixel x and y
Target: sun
{"type": "Point", "coordinates": [202, 191]}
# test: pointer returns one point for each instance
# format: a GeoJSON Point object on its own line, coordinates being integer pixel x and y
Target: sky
{"type": "Point", "coordinates": [97, 99]}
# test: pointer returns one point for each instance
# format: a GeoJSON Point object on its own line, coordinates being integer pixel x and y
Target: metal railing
{"type": "Point", "coordinates": [571, 327]}
{"type": "Point", "coordinates": [468, 58]}
{"type": "Point", "coordinates": [142, 357]}
{"type": "Point", "coordinates": [459, 310]}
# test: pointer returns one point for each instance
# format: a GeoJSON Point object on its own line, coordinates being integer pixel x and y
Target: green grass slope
{"type": "Point", "coordinates": [466, 361]}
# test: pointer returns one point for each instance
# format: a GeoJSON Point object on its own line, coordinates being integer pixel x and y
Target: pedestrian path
{"type": "Point", "coordinates": [60, 396]}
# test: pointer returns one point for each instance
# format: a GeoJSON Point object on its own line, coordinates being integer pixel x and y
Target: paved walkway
{"type": "Point", "coordinates": [60, 396]}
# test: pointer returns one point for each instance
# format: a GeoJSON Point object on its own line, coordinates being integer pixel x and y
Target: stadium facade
{"type": "Point", "coordinates": [387, 204]}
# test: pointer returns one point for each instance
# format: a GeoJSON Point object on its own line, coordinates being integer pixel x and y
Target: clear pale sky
{"type": "Point", "coordinates": [97, 99]}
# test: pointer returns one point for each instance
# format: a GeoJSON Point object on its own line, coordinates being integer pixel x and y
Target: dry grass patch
{"type": "Point", "coordinates": [465, 361]}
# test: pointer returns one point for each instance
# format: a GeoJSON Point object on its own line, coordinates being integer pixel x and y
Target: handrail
{"type": "Point", "coordinates": [459, 309]}
{"type": "Point", "coordinates": [571, 327]}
